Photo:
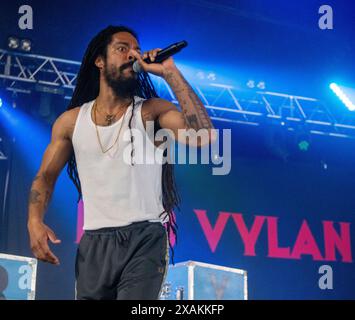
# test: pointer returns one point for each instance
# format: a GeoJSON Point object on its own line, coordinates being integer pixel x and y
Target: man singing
{"type": "Point", "coordinates": [128, 207]}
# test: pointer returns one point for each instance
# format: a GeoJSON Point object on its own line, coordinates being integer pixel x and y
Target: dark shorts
{"type": "Point", "coordinates": [122, 263]}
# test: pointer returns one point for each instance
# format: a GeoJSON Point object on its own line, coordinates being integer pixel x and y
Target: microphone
{"type": "Point", "coordinates": [161, 55]}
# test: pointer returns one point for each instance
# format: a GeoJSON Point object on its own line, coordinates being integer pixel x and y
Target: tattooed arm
{"type": "Point", "coordinates": [194, 112]}
{"type": "Point", "coordinates": [54, 159]}
{"type": "Point", "coordinates": [193, 116]}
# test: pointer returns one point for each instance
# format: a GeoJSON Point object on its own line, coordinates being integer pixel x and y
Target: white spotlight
{"type": "Point", "coordinates": [13, 43]}
{"type": "Point", "coordinates": [251, 84]}
{"type": "Point", "coordinates": [26, 45]}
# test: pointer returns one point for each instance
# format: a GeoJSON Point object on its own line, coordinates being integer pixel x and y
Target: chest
{"type": "Point", "coordinates": [146, 113]}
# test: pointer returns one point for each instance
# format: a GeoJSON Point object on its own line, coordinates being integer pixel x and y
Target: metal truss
{"type": "Point", "coordinates": [2, 155]}
{"type": "Point", "coordinates": [252, 107]}
{"type": "Point", "coordinates": [26, 72]}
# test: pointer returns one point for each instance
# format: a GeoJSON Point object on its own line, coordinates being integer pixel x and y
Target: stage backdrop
{"type": "Point", "coordinates": [279, 220]}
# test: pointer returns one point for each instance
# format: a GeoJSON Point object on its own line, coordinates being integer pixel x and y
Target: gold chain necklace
{"type": "Point", "coordinates": [97, 130]}
{"type": "Point", "coordinates": [109, 117]}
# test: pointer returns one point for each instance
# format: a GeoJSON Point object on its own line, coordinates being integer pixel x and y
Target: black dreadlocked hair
{"type": "Point", "coordinates": [87, 89]}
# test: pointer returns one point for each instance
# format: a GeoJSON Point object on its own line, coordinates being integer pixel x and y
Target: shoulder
{"type": "Point", "coordinates": [157, 106]}
{"type": "Point", "coordinates": [157, 102]}
{"type": "Point", "coordinates": [65, 123]}
{"type": "Point", "coordinates": [68, 116]}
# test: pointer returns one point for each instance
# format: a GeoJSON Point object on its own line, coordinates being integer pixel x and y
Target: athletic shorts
{"type": "Point", "coordinates": [122, 263]}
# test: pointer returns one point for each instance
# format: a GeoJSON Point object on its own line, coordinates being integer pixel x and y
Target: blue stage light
{"type": "Point", "coordinates": [342, 95]}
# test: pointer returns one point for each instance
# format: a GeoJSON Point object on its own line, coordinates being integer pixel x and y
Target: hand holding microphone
{"type": "Point", "coordinates": [155, 57]}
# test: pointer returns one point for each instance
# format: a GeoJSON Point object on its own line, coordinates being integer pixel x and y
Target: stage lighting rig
{"type": "Point", "coordinates": [13, 43]}
{"type": "Point", "coordinates": [18, 44]}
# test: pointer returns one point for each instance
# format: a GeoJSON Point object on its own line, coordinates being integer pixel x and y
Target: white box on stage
{"type": "Point", "coordinates": [17, 277]}
{"type": "Point", "coordinates": [192, 280]}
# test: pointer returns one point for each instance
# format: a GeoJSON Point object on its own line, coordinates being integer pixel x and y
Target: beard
{"type": "Point", "coordinates": [123, 83]}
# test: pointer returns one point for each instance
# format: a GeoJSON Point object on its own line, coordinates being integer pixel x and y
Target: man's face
{"type": "Point", "coordinates": [117, 70]}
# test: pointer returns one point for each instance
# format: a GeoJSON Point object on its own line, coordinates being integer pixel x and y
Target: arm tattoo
{"type": "Point", "coordinates": [35, 195]}
{"type": "Point", "coordinates": [33, 199]}
{"type": "Point", "coordinates": [194, 112]}
{"type": "Point", "coordinates": [46, 199]}
{"type": "Point", "coordinates": [192, 121]}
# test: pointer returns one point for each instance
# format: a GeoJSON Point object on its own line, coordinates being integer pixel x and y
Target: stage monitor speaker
{"type": "Point", "coordinates": [17, 277]}
{"type": "Point", "coordinates": [192, 280]}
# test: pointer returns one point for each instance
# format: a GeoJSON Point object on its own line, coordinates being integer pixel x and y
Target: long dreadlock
{"type": "Point", "coordinates": [87, 89]}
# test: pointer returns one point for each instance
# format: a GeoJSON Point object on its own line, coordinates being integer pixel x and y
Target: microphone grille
{"type": "Point", "coordinates": [136, 67]}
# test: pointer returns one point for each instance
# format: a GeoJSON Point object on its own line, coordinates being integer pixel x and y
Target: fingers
{"type": "Point", "coordinates": [154, 68]}
{"type": "Point", "coordinates": [43, 253]}
{"type": "Point", "coordinates": [153, 53]}
{"type": "Point", "coordinates": [139, 58]}
{"type": "Point", "coordinates": [41, 249]}
{"type": "Point", "coordinates": [52, 237]}
{"type": "Point", "coordinates": [39, 235]}
{"type": "Point", "coordinates": [48, 254]}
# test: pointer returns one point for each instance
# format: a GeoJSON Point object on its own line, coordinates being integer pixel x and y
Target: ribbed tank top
{"type": "Point", "coordinates": [114, 192]}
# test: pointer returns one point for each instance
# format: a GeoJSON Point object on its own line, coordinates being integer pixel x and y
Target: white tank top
{"type": "Point", "coordinates": [114, 192]}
